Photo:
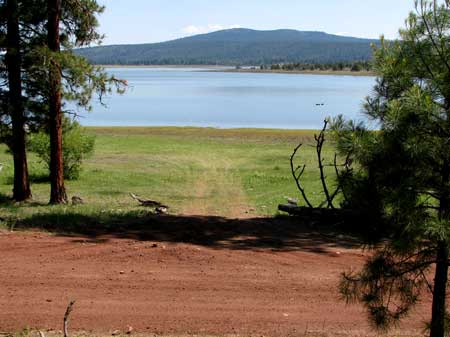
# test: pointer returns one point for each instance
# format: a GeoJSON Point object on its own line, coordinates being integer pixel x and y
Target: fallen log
{"type": "Point", "coordinates": [336, 213]}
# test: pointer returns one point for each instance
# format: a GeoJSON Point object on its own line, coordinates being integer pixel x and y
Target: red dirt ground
{"type": "Point", "coordinates": [180, 288]}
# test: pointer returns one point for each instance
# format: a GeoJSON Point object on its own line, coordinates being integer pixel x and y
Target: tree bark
{"type": "Point", "coordinates": [438, 307]}
{"type": "Point", "coordinates": [439, 293]}
{"type": "Point", "coordinates": [58, 192]}
{"type": "Point", "coordinates": [21, 190]}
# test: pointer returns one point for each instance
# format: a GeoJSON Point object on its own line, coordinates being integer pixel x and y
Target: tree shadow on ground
{"type": "Point", "coordinates": [280, 233]}
{"type": "Point", "coordinates": [6, 201]}
{"type": "Point", "coordinates": [36, 178]}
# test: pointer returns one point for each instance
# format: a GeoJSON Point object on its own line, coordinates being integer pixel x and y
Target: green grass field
{"type": "Point", "coordinates": [196, 171]}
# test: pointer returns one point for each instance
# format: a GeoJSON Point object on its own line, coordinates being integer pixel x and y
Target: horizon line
{"type": "Point", "coordinates": [230, 29]}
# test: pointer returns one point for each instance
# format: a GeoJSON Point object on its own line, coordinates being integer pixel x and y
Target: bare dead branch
{"type": "Point", "coordinates": [297, 172]}
{"type": "Point", "coordinates": [66, 317]}
{"type": "Point", "coordinates": [323, 203]}
{"type": "Point", "coordinates": [341, 176]}
{"type": "Point", "coordinates": [424, 278]}
{"type": "Point", "coordinates": [339, 186]}
{"type": "Point", "coordinates": [297, 176]}
{"type": "Point", "coordinates": [320, 140]}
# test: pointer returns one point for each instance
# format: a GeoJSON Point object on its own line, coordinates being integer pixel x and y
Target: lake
{"type": "Point", "coordinates": [196, 97]}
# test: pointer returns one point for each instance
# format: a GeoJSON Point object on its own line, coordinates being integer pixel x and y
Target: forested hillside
{"type": "Point", "coordinates": [238, 47]}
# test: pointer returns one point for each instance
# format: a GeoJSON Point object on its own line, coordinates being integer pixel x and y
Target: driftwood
{"type": "Point", "coordinates": [147, 202]}
{"type": "Point", "coordinates": [66, 317]}
{"type": "Point", "coordinates": [160, 208]}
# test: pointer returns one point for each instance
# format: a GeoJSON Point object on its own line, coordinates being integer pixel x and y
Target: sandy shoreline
{"type": "Point", "coordinates": [230, 69]}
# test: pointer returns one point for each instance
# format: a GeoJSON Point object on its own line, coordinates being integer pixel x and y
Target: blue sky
{"type": "Point", "coordinates": [143, 21]}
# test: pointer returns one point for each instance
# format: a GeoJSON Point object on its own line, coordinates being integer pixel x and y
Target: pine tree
{"type": "Point", "coordinates": [404, 172]}
{"type": "Point", "coordinates": [52, 73]}
{"type": "Point", "coordinates": [58, 192]}
{"type": "Point", "coordinates": [15, 105]}
{"type": "Point", "coordinates": [78, 22]}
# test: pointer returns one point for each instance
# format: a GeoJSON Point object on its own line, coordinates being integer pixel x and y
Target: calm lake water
{"type": "Point", "coordinates": [192, 97]}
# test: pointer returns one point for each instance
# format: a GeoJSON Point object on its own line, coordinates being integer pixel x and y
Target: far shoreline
{"type": "Point", "coordinates": [300, 72]}
{"type": "Point", "coordinates": [165, 66]}
{"type": "Point", "coordinates": [231, 69]}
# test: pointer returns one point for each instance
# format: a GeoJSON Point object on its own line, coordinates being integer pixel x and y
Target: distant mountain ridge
{"type": "Point", "coordinates": [238, 46]}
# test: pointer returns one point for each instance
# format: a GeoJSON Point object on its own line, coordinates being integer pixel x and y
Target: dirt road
{"type": "Point", "coordinates": [178, 288]}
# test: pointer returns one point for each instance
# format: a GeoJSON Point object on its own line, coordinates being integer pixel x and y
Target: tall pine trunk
{"type": "Point", "coordinates": [58, 192]}
{"type": "Point", "coordinates": [438, 307]}
{"type": "Point", "coordinates": [439, 292]}
{"type": "Point", "coordinates": [21, 190]}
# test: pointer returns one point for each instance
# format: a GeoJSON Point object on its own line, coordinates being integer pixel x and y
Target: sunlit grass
{"type": "Point", "coordinates": [167, 164]}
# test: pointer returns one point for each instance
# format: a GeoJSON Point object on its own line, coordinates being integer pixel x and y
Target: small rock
{"type": "Point", "coordinates": [130, 330]}
{"type": "Point", "coordinates": [115, 333]}
{"type": "Point", "coordinates": [76, 200]}
{"type": "Point", "coordinates": [337, 253]}
{"type": "Point", "coordinates": [154, 245]}
{"type": "Point", "coordinates": [292, 201]}
{"type": "Point", "coordinates": [161, 210]}
{"type": "Point", "coordinates": [121, 272]}
{"type": "Point", "coordinates": [49, 300]}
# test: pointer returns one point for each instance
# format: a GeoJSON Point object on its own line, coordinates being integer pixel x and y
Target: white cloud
{"type": "Point", "coordinates": [215, 27]}
{"type": "Point", "coordinates": [193, 30]}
